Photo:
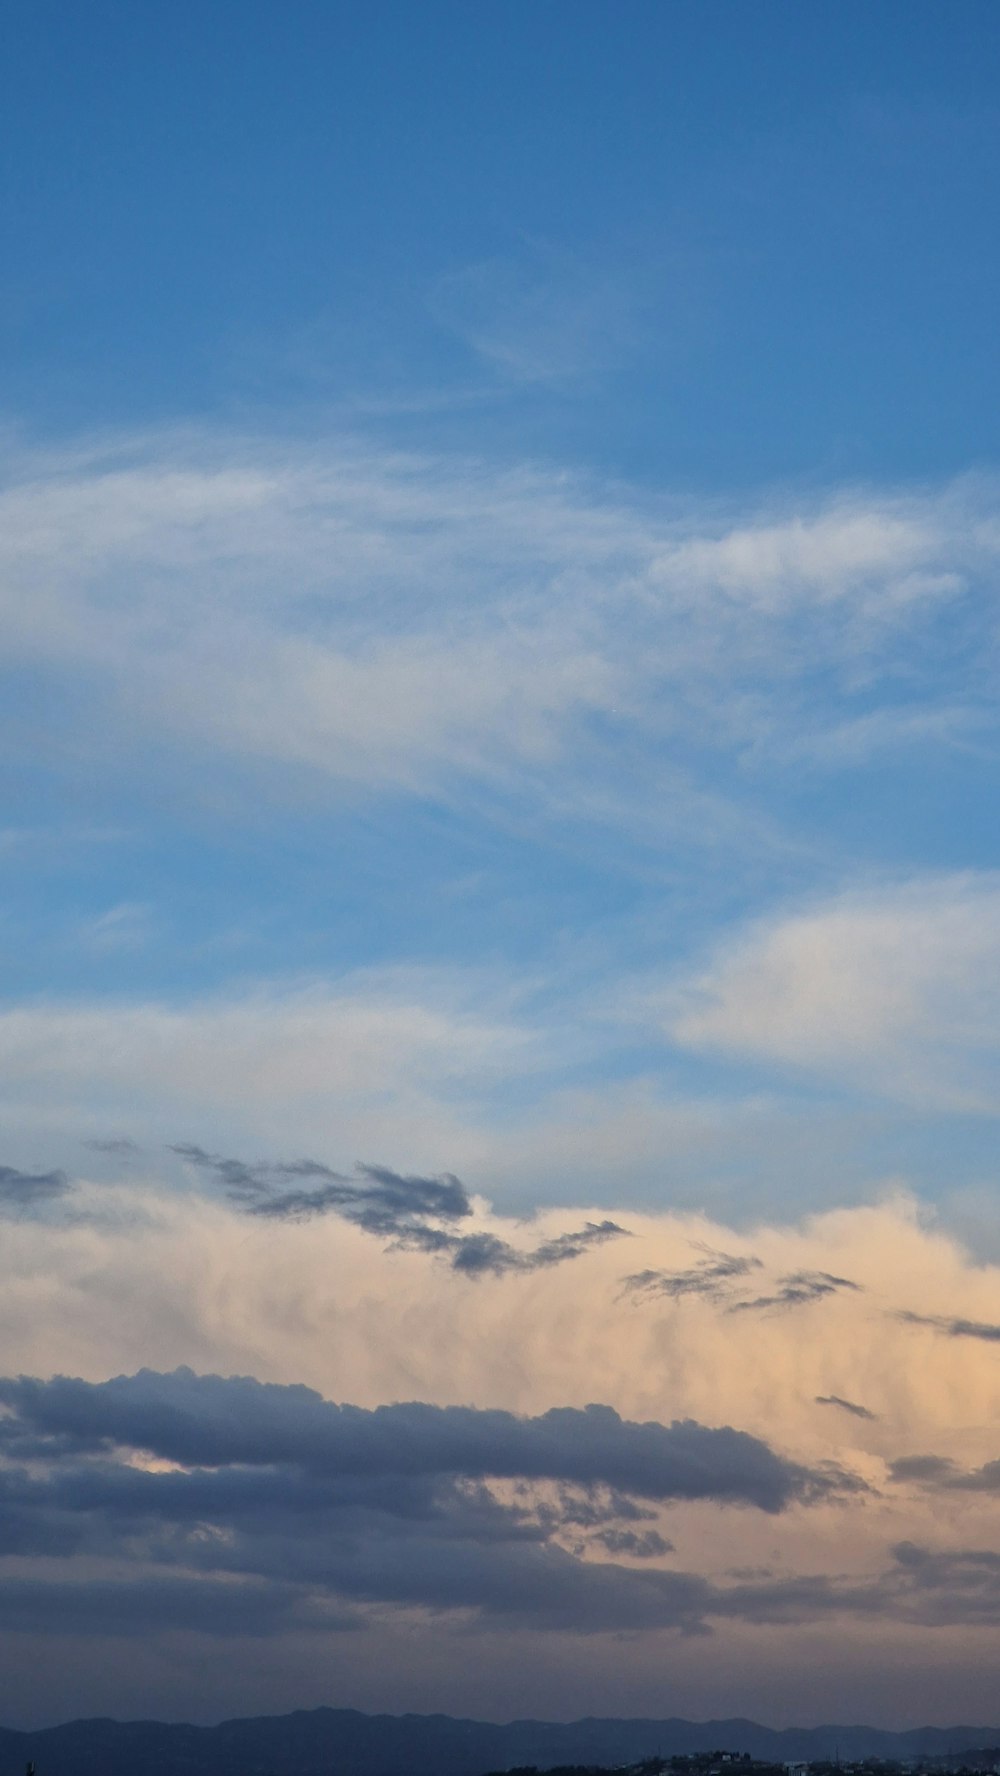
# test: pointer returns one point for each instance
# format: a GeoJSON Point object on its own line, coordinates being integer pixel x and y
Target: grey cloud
{"type": "Point", "coordinates": [300, 1514]}
{"type": "Point", "coordinates": [238, 1179]}
{"type": "Point", "coordinates": [597, 1506]}
{"type": "Point", "coordinates": [209, 1421]}
{"type": "Point", "coordinates": [711, 1277]}
{"type": "Point", "coordinates": [375, 1198]}
{"type": "Point", "coordinates": [935, 1567]}
{"type": "Point", "coordinates": [27, 1191]}
{"type": "Point", "coordinates": [939, 1471]}
{"type": "Point", "coordinates": [924, 1588]}
{"type": "Point", "coordinates": [481, 1254]}
{"type": "Point", "coordinates": [477, 1253]}
{"type": "Point", "coordinates": [927, 1470]}
{"type": "Point", "coordinates": [798, 1290]}
{"type": "Point", "coordinates": [409, 1213]}
{"type": "Point", "coordinates": [308, 1578]}
{"type": "Point", "coordinates": [943, 1587]}
{"type": "Point", "coordinates": [644, 1544]}
{"type": "Point", "coordinates": [953, 1328]}
{"type": "Point", "coordinates": [335, 1506]}
{"type": "Point", "coordinates": [117, 1146]}
{"type": "Point", "coordinates": [153, 1605]}
{"type": "Point", "coordinates": [718, 1275]}
{"type": "Point", "coordinates": [850, 1406]}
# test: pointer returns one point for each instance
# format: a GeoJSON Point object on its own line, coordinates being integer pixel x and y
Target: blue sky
{"type": "Point", "coordinates": [499, 534]}
{"type": "Point", "coordinates": [702, 245]}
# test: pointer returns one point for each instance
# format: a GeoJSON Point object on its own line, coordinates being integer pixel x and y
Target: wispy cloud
{"type": "Point", "coordinates": [538, 319]}
{"type": "Point", "coordinates": [986, 1331]}
{"type": "Point", "coordinates": [798, 1290]}
{"type": "Point", "coordinates": [712, 1277]}
{"type": "Point", "coordinates": [407, 1213]}
{"type": "Point", "coordinates": [412, 623]}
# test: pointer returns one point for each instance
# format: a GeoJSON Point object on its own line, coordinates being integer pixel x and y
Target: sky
{"type": "Point", "coordinates": [500, 935]}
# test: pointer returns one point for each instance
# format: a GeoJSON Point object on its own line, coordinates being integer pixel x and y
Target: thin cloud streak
{"type": "Point", "coordinates": [851, 1406]}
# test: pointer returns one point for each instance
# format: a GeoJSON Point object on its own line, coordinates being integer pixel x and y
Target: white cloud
{"type": "Point", "coordinates": [370, 1037]}
{"type": "Point", "coordinates": [402, 621]}
{"type": "Point", "coordinates": [896, 989]}
{"type": "Point", "coordinates": [882, 545]}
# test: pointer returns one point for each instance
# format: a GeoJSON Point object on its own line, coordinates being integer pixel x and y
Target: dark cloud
{"type": "Point", "coordinates": [375, 1198]}
{"type": "Point", "coordinates": [271, 1510]}
{"type": "Point", "coordinates": [476, 1254]}
{"type": "Point", "coordinates": [923, 1588]}
{"type": "Point", "coordinates": [409, 1213]}
{"type": "Point", "coordinates": [798, 1290]}
{"type": "Point", "coordinates": [927, 1470]}
{"type": "Point", "coordinates": [945, 1587]}
{"type": "Point", "coordinates": [591, 1508]}
{"type": "Point", "coordinates": [640, 1544]}
{"type": "Point", "coordinates": [210, 1421]}
{"type": "Point", "coordinates": [952, 1328]}
{"type": "Point", "coordinates": [943, 1474]}
{"type": "Point", "coordinates": [850, 1406]}
{"type": "Point", "coordinates": [407, 1506]}
{"type": "Point", "coordinates": [710, 1277]}
{"type": "Point", "coordinates": [718, 1277]}
{"type": "Point", "coordinates": [154, 1605]}
{"type": "Point", "coordinates": [942, 1566]}
{"type": "Point", "coordinates": [118, 1146]}
{"type": "Point", "coordinates": [23, 1192]}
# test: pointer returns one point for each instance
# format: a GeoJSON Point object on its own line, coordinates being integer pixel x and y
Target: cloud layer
{"type": "Point", "coordinates": [714, 1490]}
{"type": "Point", "coordinates": [582, 933]}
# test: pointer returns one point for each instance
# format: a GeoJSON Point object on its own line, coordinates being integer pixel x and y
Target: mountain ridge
{"type": "Point", "coordinates": [347, 1742]}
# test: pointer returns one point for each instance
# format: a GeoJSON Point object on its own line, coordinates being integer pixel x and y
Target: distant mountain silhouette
{"type": "Point", "coordinates": [342, 1742]}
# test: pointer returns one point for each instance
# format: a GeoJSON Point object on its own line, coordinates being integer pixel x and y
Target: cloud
{"type": "Point", "coordinates": [544, 322]}
{"type": "Point", "coordinates": [25, 1192]}
{"type": "Point", "coordinates": [399, 1210]}
{"type": "Point", "coordinates": [414, 1039]}
{"type": "Point", "coordinates": [153, 1605]}
{"type": "Point", "coordinates": [211, 1421]}
{"type": "Point", "coordinates": [894, 990]}
{"type": "Point", "coordinates": [940, 1472]}
{"type": "Point", "coordinates": [375, 1198]}
{"type": "Point", "coordinates": [925, 1469]}
{"type": "Point", "coordinates": [127, 926]}
{"type": "Point", "coordinates": [945, 1586]}
{"type": "Point", "coordinates": [518, 1515]}
{"type": "Point", "coordinates": [850, 1406]}
{"type": "Point", "coordinates": [984, 1330]}
{"type": "Point", "coordinates": [719, 1276]}
{"type": "Point", "coordinates": [232, 1478]}
{"type": "Point", "coordinates": [645, 1544]}
{"type": "Point", "coordinates": [410, 623]}
{"type": "Point", "coordinates": [480, 1254]}
{"type": "Point", "coordinates": [710, 1277]}
{"type": "Point", "coordinates": [157, 1273]}
{"type": "Point", "coordinates": [272, 1497]}
{"type": "Point", "coordinates": [798, 1290]}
